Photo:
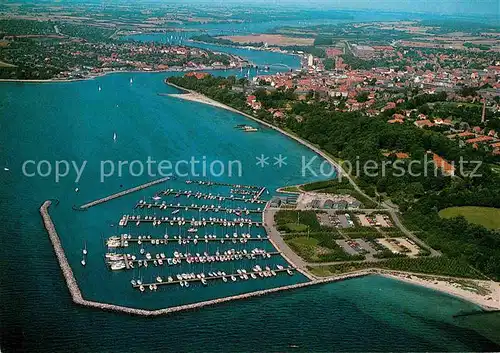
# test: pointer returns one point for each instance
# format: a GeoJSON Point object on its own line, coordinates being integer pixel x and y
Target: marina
{"type": "Point", "coordinates": [77, 297]}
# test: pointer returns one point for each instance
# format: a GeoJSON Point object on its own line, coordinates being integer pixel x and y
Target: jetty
{"type": "Point", "coordinates": [124, 192]}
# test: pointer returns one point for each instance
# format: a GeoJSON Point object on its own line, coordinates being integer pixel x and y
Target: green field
{"type": "Point", "coordinates": [485, 216]}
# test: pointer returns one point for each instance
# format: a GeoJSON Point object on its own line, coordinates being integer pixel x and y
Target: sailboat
{"type": "Point", "coordinates": [114, 136]}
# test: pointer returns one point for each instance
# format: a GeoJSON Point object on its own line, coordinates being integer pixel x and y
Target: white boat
{"type": "Point", "coordinates": [83, 262]}
{"type": "Point", "coordinates": [118, 266]}
{"type": "Point", "coordinates": [99, 88]}
{"type": "Point", "coordinates": [175, 211]}
{"type": "Point", "coordinates": [131, 81]}
{"type": "Point", "coordinates": [84, 251]}
{"type": "Point", "coordinates": [114, 136]}
{"type": "Point", "coordinates": [156, 198]}
{"type": "Point", "coordinates": [6, 169]}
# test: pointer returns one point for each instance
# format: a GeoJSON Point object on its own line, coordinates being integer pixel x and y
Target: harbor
{"type": "Point", "coordinates": [77, 297]}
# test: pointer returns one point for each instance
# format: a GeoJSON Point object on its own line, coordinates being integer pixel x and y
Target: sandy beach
{"type": "Point", "coordinates": [483, 293]}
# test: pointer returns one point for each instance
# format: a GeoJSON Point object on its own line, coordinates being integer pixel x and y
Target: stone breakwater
{"type": "Point", "coordinates": [77, 297]}
{"type": "Point", "coordinates": [124, 192]}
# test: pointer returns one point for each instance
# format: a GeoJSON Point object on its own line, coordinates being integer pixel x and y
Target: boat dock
{"type": "Point", "coordinates": [129, 260]}
{"type": "Point", "coordinates": [200, 195]}
{"type": "Point", "coordinates": [259, 194]}
{"type": "Point", "coordinates": [156, 221]}
{"type": "Point", "coordinates": [123, 240]}
{"type": "Point", "coordinates": [202, 208]}
{"type": "Point", "coordinates": [213, 278]}
{"type": "Point", "coordinates": [214, 183]}
{"type": "Point", "coordinates": [123, 193]}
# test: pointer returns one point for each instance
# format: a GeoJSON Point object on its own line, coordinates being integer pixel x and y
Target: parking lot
{"type": "Point", "coordinates": [330, 219]}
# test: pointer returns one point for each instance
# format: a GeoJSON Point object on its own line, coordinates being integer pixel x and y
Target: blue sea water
{"type": "Point", "coordinates": [76, 121]}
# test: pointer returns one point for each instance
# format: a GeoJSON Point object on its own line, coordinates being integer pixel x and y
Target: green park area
{"type": "Point", "coordinates": [484, 216]}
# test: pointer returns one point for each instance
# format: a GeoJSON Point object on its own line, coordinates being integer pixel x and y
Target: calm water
{"type": "Point", "coordinates": [76, 121]}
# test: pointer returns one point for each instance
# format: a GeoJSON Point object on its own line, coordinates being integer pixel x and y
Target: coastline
{"type": "Point", "coordinates": [437, 284]}
{"type": "Point", "coordinates": [200, 98]}
{"type": "Point", "coordinates": [93, 77]}
{"type": "Point", "coordinates": [449, 286]}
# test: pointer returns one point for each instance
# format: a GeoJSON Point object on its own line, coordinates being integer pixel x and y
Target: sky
{"type": "Point", "coordinates": [491, 8]}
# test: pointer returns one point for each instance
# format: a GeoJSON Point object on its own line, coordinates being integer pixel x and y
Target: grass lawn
{"type": "Point", "coordinates": [296, 227]}
{"type": "Point", "coordinates": [485, 216]}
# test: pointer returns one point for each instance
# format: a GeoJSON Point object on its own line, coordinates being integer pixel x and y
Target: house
{"type": "Point", "coordinates": [477, 129]}
{"type": "Point", "coordinates": [197, 75]}
{"type": "Point", "coordinates": [443, 164]}
{"type": "Point", "coordinates": [423, 123]}
{"type": "Point", "coordinates": [440, 121]}
{"type": "Point", "coordinates": [480, 139]}
{"type": "Point", "coordinates": [278, 114]}
{"type": "Point", "coordinates": [466, 134]}
{"type": "Point", "coordinates": [398, 116]}
{"type": "Point", "coordinates": [395, 121]}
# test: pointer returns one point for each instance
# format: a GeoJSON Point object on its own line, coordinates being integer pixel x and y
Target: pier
{"type": "Point", "coordinates": [156, 221]}
{"type": "Point", "coordinates": [214, 183]}
{"type": "Point", "coordinates": [200, 208]}
{"type": "Point", "coordinates": [200, 195]}
{"type": "Point", "coordinates": [128, 261]}
{"type": "Point", "coordinates": [259, 194]}
{"type": "Point", "coordinates": [123, 240]}
{"type": "Point", "coordinates": [207, 279]}
{"type": "Point", "coordinates": [123, 193]}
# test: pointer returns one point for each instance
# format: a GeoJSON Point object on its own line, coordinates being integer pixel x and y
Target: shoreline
{"type": "Point", "coordinates": [78, 298]}
{"type": "Point", "coordinates": [53, 80]}
{"type": "Point", "coordinates": [200, 98]}
{"type": "Point", "coordinates": [441, 286]}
